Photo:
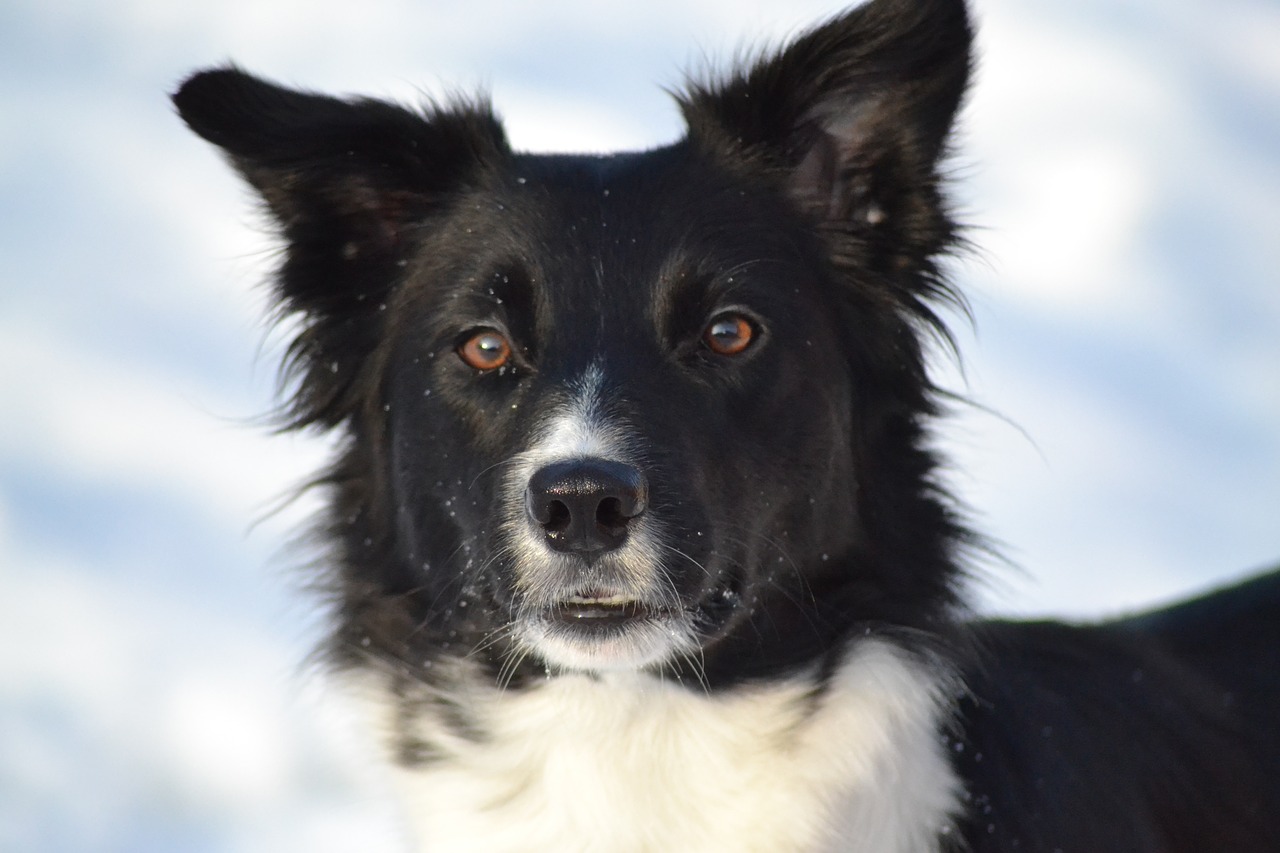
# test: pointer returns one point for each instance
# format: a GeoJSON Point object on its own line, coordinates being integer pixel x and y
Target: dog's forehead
{"type": "Point", "coordinates": [586, 234]}
{"type": "Point", "coordinates": [581, 179]}
{"type": "Point", "coordinates": [593, 207]}
{"type": "Point", "coordinates": [603, 231]}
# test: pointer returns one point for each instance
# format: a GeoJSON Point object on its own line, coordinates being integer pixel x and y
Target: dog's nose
{"type": "Point", "coordinates": [586, 505]}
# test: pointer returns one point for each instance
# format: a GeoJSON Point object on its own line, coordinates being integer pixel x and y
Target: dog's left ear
{"type": "Point", "coordinates": [856, 112]}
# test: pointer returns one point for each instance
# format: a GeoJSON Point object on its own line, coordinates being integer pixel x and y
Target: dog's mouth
{"type": "Point", "coordinates": [597, 630]}
{"type": "Point", "coordinates": [597, 611]}
{"type": "Point", "coordinates": [604, 624]}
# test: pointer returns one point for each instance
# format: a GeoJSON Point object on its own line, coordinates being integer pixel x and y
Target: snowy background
{"type": "Point", "coordinates": [1121, 163]}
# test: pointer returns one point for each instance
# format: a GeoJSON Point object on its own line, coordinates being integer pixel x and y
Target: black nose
{"type": "Point", "coordinates": [586, 505]}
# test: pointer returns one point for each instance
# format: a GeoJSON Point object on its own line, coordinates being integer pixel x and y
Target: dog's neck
{"type": "Point", "coordinates": [628, 762]}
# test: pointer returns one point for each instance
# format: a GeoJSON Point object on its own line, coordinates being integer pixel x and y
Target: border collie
{"type": "Point", "coordinates": [634, 531]}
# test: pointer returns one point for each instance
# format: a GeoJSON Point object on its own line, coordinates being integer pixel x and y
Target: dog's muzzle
{"type": "Point", "coordinates": [597, 597]}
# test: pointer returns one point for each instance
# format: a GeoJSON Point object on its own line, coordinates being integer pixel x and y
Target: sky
{"type": "Point", "coordinates": [1118, 165]}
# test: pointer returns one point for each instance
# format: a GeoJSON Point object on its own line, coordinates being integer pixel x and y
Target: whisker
{"type": "Point", "coordinates": [676, 550]}
{"type": "Point", "coordinates": [504, 632]}
{"type": "Point", "coordinates": [698, 665]}
{"type": "Point", "coordinates": [511, 666]}
{"type": "Point", "coordinates": [507, 461]}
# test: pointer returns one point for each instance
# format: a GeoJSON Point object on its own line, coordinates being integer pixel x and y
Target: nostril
{"type": "Point", "coordinates": [557, 517]}
{"type": "Point", "coordinates": [610, 518]}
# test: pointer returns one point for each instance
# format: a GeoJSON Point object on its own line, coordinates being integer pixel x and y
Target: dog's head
{"type": "Point", "coordinates": [629, 411]}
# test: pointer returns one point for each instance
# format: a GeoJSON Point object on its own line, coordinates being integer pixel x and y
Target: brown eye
{"type": "Point", "coordinates": [729, 334]}
{"type": "Point", "coordinates": [485, 350]}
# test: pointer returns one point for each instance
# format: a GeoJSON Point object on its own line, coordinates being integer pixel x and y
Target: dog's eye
{"type": "Point", "coordinates": [485, 349]}
{"type": "Point", "coordinates": [729, 334]}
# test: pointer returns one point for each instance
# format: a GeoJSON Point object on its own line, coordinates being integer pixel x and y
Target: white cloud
{"type": "Point", "coordinates": [121, 707]}
{"type": "Point", "coordinates": [135, 426]}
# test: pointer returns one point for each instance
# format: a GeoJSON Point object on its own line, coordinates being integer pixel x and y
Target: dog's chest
{"type": "Point", "coordinates": [632, 764]}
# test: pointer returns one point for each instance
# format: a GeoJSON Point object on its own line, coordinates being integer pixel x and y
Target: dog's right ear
{"type": "Point", "coordinates": [350, 183]}
{"type": "Point", "coordinates": [346, 180]}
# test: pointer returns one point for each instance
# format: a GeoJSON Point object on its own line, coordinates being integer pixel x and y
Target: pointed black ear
{"type": "Point", "coordinates": [345, 179]}
{"type": "Point", "coordinates": [352, 184]}
{"type": "Point", "coordinates": [856, 112]}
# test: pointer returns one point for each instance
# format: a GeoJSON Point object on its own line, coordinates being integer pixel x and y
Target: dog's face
{"type": "Point", "coordinates": [619, 383]}
{"type": "Point", "coordinates": [656, 410]}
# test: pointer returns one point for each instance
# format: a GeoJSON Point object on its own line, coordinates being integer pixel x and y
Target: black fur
{"type": "Point", "coordinates": [1154, 733]}
{"type": "Point", "coordinates": [794, 481]}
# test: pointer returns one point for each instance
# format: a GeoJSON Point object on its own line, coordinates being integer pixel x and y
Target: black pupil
{"type": "Point", "coordinates": [726, 332]}
{"type": "Point", "coordinates": [489, 344]}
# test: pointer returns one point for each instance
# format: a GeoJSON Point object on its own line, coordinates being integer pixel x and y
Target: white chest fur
{"type": "Point", "coordinates": [628, 763]}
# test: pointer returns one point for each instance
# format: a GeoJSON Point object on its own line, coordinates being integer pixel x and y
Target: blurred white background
{"type": "Point", "coordinates": [1120, 164]}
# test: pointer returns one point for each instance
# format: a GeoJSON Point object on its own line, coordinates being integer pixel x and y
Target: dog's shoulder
{"type": "Point", "coordinates": [1162, 750]}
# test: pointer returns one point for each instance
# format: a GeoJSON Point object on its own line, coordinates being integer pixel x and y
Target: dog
{"type": "Point", "coordinates": [635, 537]}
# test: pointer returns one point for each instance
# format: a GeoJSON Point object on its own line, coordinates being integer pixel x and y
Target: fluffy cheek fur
{"type": "Point", "coordinates": [627, 762]}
